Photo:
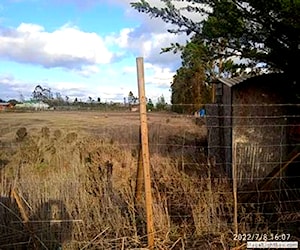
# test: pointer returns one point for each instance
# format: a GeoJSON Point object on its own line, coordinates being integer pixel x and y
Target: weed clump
{"type": "Point", "coordinates": [57, 134]}
{"type": "Point", "coordinates": [45, 132]}
{"type": "Point", "coordinates": [71, 137]}
{"type": "Point", "coordinates": [21, 134]}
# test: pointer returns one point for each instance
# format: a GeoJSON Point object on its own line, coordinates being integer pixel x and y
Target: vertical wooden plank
{"type": "Point", "coordinates": [145, 150]}
{"type": "Point", "coordinates": [234, 187]}
{"type": "Point", "coordinates": [213, 93]}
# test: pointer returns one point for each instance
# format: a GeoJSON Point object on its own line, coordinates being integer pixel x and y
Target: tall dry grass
{"type": "Point", "coordinates": [78, 190]}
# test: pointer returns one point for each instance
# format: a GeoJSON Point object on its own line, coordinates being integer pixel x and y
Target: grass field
{"type": "Point", "coordinates": [92, 123]}
{"type": "Point", "coordinates": [75, 174]}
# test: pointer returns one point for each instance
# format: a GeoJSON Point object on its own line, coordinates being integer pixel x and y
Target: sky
{"type": "Point", "coordinates": [83, 48]}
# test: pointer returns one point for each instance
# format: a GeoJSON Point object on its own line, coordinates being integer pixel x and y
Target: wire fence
{"type": "Point", "coordinates": [68, 178]}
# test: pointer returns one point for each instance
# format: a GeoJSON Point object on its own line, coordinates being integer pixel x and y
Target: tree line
{"type": "Point", "coordinates": [160, 105]}
{"type": "Point", "coordinates": [55, 99]}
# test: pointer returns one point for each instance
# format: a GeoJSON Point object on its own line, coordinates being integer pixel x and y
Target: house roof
{"type": "Point", "coordinates": [230, 82]}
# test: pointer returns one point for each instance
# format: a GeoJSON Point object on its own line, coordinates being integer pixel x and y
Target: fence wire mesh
{"type": "Point", "coordinates": [68, 178]}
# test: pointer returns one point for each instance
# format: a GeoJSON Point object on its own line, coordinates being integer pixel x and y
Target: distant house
{"type": "Point", "coordinates": [33, 105]}
{"type": "Point", "coordinates": [254, 124]}
{"type": "Point", "coordinates": [5, 106]}
{"type": "Point", "coordinates": [134, 107]}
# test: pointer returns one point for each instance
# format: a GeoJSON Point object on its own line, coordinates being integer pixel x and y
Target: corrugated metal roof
{"type": "Point", "coordinates": [239, 79]}
{"type": "Point", "coordinates": [235, 80]}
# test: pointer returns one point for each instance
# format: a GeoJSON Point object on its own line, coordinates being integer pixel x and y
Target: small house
{"type": "Point", "coordinates": [134, 107]}
{"type": "Point", "coordinates": [5, 105]}
{"type": "Point", "coordinates": [253, 124]}
{"type": "Point", "coordinates": [33, 105]}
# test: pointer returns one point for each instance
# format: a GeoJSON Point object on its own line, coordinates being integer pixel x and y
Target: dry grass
{"type": "Point", "coordinates": [76, 175]}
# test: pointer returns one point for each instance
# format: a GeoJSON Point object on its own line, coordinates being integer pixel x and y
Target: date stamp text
{"type": "Point", "coordinates": [261, 237]}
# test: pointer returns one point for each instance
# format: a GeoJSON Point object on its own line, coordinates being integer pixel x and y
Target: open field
{"type": "Point", "coordinates": [75, 173]}
{"type": "Point", "coordinates": [93, 123]}
{"type": "Point", "coordinates": [168, 132]}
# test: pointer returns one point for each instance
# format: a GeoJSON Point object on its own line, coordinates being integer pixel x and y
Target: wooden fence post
{"type": "Point", "coordinates": [145, 151]}
{"type": "Point", "coordinates": [139, 178]}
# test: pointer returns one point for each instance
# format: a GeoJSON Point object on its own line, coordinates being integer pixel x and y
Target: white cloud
{"type": "Point", "coordinates": [70, 89]}
{"type": "Point", "coordinates": [110, 93]}
{"type": "Point", "coordinates": [88, 70]}
{"type": "Point", "coordinates": [147, 41]}
{"type": "Point", "coordinates": [120, 39]}
{"type": "Point", "coordinates": [66, 86]}
{"type": "Point", "coordinates": [129, 70]}
{"type": "Point", "coordinates": [148, 38]}
{"type": "Point", "coordinates": [11, 87]}
{"type": "Point", "coordinates": [67, 47]}
{"type": "Point", "coordinates": [160, 77]}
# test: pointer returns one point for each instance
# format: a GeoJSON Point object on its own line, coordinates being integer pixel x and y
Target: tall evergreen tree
{"type": "Point", "coordinates": [189, 88]}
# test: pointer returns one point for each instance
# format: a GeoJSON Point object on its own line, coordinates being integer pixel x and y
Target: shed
{"type": "Point", "coordinates": [254, 124]}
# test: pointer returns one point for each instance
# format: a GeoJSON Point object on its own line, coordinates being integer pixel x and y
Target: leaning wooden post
{"type": "Point", "coordinates": [145, 150]}
{"type": "Point", "coordinates": [25, 218]}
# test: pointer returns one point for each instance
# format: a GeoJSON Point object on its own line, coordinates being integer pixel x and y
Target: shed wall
{"type": "Point", "coordinates": [214, 135]}
{"type": "Point", "coordinates": [254, 125]}
{"type": "Point", "coordinates": [227, 128]}
{"type": "Point", "coordinates": [219, 129]}
{"type": "Point", "coordinates": [258, 129]}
